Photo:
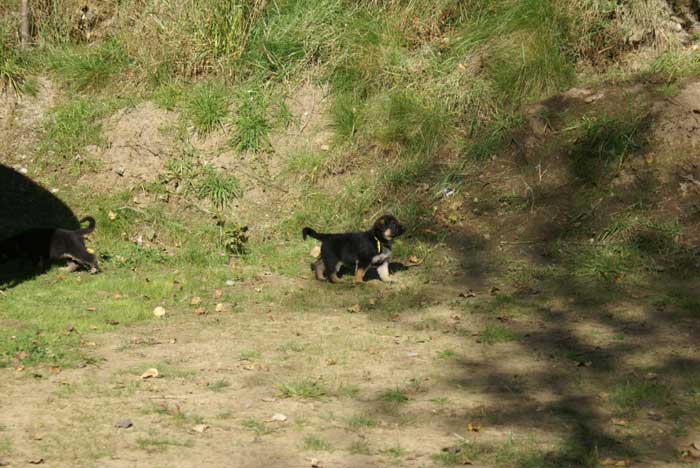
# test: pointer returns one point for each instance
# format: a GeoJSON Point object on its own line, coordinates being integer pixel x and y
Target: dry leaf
{"type": "Point", "coordinates": [354, 308]}
{"type": "Point", "coordinates": [613, 462]}
{"type": "Point", "coordinates": [278, 417]}
{"type": "Point", "coordinates": [200, 428]}
{"type": "Point", "coordinates": [116, 295]}
{"type": "Point", "coordinates": [218, 293]}
{"type": "Point", "coordinates": [467, 294]}
{"type": "Point", "coordinates": [200, 311]}
{"type": "Point", "coordinates": [413, 259]}
{"type": "Point", "coordinates": [619, 422]}
{"type": "Point", "coordinates": [36, 461]}
{"type": "Point", "coordinates": [195, 300]}
{"type": "Point", "coordinates": [112, 215]}
{"type": "Point", "coordinates": [220, 307]}
{"type": "Point", "coordinates": [315, 252]}
{"type": "Point", "coordinates": [372, 350]}
{"type": "Point", "coordinates": [55, 369]}
{"type": "Point", "coordinates": [91, 309]}
{"type": "Point", "coordinates": [150, 373]}
{"type": "Point", "coordinates": [159, 311]}
{"type": "Point", "coordinates": [473, 427]}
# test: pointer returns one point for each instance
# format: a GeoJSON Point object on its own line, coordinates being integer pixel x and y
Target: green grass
{"type": "Point", "coordinates": [205, 106]}
{"type": "Point", "coordinates": [251, 122]}
{"type": "Point", "coordinates": [393, 396]}
{"type": "Point", "coordinates": [83, 68]}
{"type": "Point", "coordinates": [306, 162]}
{"type": "Point", "coordinates": [154, 443]}
{"type": "Point", "coordinates": [633, 394]}
{"type": "Point", "coordinates": [304, 388]}
{"type": "Point", "coordinates": [14, 69]}
{"type": "Point", "coordinates": [258, 427]}
{"type": "Point", "coordinates": [216, 186]}
{"type": "Point", "coordinates": [359, 421]}
{"type": "Point", "coordinates": [360, 447]}
{"type": "Point", "coordinates": [493, 334]}
{"type": "Point", "coordinates": [74, 125]}
{"type": "Point", "coordinates": [316, 443]}
{"type": "Point", "coordinates": [218, 385]}
{"type": "Point", "coordinates": [604, 144]}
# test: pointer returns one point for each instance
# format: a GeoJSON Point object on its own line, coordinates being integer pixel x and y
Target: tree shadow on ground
{"type": "Point", "coordinates": [24, 204]}
{"type": "Point", "coordinates": [607, 295]}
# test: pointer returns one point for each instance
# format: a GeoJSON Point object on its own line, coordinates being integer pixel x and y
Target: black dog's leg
{"type": "Point", "coordinates": [360, 271]}
{"type": "Point", "coordinates": [331, 266]}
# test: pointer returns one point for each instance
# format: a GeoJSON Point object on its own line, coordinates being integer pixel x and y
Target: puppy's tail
{"type": "Point", "coordinates": [307, 231]}
{"type": "Point", "coordinates": [91, 225]}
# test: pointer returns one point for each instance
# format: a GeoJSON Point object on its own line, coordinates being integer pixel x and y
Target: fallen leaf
{"type": "Point", "coordinates": [354, 308]}
{"type": "Point", "coordinates": [112, 215]}
{"type": "Point", "coordinates": [200, 311]}
{"type": "Point", "coordinates": [19, 368]}
{"type": "Point", "coordinates": [278, 417]}
{"type": "Point", "coordinates": [111, 322]}
{"type": "Point", "coordinates": [150, 373]}
{"type": "Point", "coordinates": [36, 461]}
{"type": "Point", "coordinates": [473, 427]}
{"type": "Point", "coordinates": [220, 307]}
{"type": "Point", "coordinates": [413, 260]}
{"type": "Point", "coordinates": [116, 295]}
{"type": "Point", "coordinates": [70, 328]}
{"type": "Point", "coordinates": [315, 252]}
{"type": "Point", "coordinates": [123, 424]}
{"type": "Point", "coordinates": [467, 294]}
{"type": "Point", "coordinates": [218, 293]}
{"type": "Point", "coordinates": [248, 366]}
{"type": "Point", "coordinates": [412, 354]}
{"type": "Point", "coordinates": [200, 428]}
{"type": "Point", "coordinates": [195, 300]}
{"type": "Point", "coordinates": [331, 362]}
{"type": "Point", "coordinates": [91, 309]}
{"type": "Point", "coordinates": [159, 311]}
{"type": "Point", "coordinates": [619, 422]}
{"type": "Point", "coordinates": [55, 369]}
{"type": "Point", "coordinates": [315, 463]}
{"type": "Point", "coordinates": [654, 415]}
{"type": "Point", "coordinates": [613, 462]}
{"type": "Point", "coordinates": [372, 350]}
{"type": "Point", "coordinates": [584, 364]}
{"type": "Point", "coordinates": [269, 399]}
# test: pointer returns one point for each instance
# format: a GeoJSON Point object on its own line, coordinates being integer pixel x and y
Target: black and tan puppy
{"type": "Point", "coordinates": [47, 245]}
{"type": "Point", "coordinates": [363, 250]}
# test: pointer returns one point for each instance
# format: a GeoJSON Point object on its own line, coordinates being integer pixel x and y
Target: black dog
{"type": "Point", "coordinates": [53, 245]}
{"type": "Point", "coordinates": [359, 249]}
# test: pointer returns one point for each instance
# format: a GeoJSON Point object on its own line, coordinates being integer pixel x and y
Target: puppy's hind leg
{"type": "Point", "coordinates": [359, 274]}
{"type": "Point", "coordinates": [320, 270]}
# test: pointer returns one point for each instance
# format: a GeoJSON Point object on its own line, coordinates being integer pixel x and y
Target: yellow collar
{"type": "Point", "coordinates": [379, 246]}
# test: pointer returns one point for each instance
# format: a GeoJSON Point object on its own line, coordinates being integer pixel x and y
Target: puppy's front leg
{"type": "Point", "coordinates": [383, 271]}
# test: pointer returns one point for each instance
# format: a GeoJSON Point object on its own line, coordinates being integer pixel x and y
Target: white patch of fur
{"type": "Point", "coordinates": [383, 271]}
{"type": "Point", "coordinates": [381, 257]}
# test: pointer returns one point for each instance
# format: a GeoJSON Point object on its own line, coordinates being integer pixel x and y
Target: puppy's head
{"type": "Point", "coordinates": [388, 227]}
